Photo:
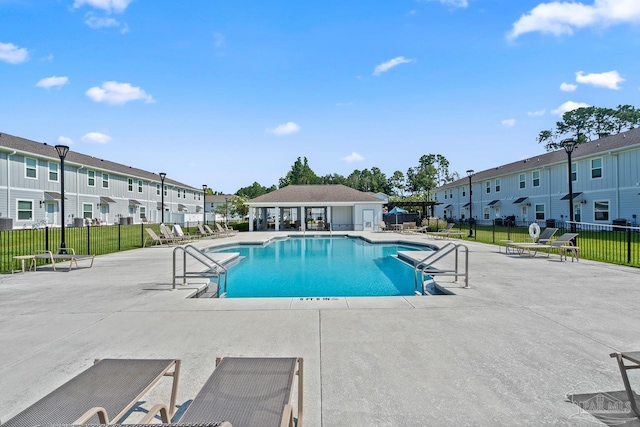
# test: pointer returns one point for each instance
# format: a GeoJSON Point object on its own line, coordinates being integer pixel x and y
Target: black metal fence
{"type": "Point", "coordinates": [83, 240]}
{"type": "Point", "coordinates": [612, 243]}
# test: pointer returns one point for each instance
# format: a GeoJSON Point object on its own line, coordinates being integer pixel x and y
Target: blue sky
{"type": "Point", "coordinates": [226, 93]}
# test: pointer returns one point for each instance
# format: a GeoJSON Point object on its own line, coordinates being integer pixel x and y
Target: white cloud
{"type": "Point", "coordinates": [97, 22]}
{"type": "Point", "coordinates": [568, 87]}
{"type": "Point", "coordinates": [96, 137]}
{"type": "Point", "coordinates": [610, 79]}
{"type": "Point", "coordinates": [453, 3]}
{"type": "Point", "coordinates": [13, 54]}
{"type": "Point", "coordinates": [508, 123]}
{"type": "Point", "coordinates": [536, 113]}
{"type": "Point", "coordinates": [559, 18]}
{"type": "Point", "coordinates": [353, 157]}
{"type": "Point", "coordinates": [52, 81]}
{"type": "Point", "coordinates": [118, 93]}
{"type": "Point", "coordinates": [386, 66]}
{"type": "Point", "coordinates": [109, 6]}
{"type": "Point", "coordinates": [65, 140]}
{"type": "Point", "coordinates": [569, 106]}
{"type": "Point", "coordinates": [285, 129]}
{"type": "Point", "coordinates": [219, 41]}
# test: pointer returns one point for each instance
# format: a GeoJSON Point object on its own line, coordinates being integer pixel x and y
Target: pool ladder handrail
{"type": "Point", "coordinates": [425, 266]}
{"type": "Point", "coordinates": [213, 268]}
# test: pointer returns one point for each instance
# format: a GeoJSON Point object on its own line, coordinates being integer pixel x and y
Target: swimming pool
{"type": "Point", "coordinates": [320, 267]}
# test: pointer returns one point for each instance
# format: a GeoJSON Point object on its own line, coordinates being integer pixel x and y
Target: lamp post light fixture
{"type": "Point", "coordinates": [569, 145]}
{"type": "Point", "coordinates": [204, 203]}
{"type": "Point", "coordinates": [62, 153]}
{"type": "Point", "coordinates": [470, 173]}
{"type": "Point", "coordinates": [162, 177]}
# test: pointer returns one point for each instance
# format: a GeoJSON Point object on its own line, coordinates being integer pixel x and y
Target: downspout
{"type": "Point", "coordinates": [9, 184]}
{"type": "Point", "coordinates": [77, 193]}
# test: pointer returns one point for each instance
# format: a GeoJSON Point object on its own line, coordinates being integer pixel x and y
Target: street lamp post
{"type": "Point", "coordinates": [470, 173]}
{"type": "Point", "coordinates": [204, 203]}
{"type": "Point", "coordinates": [569, 145]}
{"type": "Point", "coordinates": [226, 218]}
{"type": "Point", "coordinates": [162, 177]}
{"type": "Point", "coordinates": [62, 153]}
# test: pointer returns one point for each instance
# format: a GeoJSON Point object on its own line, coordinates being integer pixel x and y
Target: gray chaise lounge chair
{"type": "Point", "coordinates": [634, 358]}
{"type": "Point", "coordinates": [103, 394]}
{"type": "Point", "coordinates": [560, 244]}
{"type": "Point", "coordinates": [248, 392]}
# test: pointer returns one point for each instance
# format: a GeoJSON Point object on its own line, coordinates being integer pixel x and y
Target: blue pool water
{"type": "Point", "coordinates": [320, 267]}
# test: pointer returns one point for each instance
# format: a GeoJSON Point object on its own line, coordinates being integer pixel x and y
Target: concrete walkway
{"type": "Point", "coordinates": [504, 352]}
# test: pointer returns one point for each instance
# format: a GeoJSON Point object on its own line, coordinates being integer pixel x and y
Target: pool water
{"type": "Point", "coordinates": [320, 267]}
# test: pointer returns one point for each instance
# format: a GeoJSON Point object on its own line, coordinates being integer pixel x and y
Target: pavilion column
{"type": "Point", "coordinates": [303, 218]}
{"type": "Point", "coordinates": [328, 209]}
{"type": "Point", "coordinates": [276, 226]}
{"type": "Point", "coordinates": [251, 210]}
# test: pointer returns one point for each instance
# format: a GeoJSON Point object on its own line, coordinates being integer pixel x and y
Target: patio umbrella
{"type": "Point", "coordinates": [396, 210]}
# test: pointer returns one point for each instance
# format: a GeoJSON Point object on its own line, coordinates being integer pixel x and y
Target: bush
{"type": "Point", "coordinates": [434, 224]}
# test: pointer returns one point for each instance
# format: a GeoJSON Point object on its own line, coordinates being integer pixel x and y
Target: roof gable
{"type": "Point", "coordinates": [336, 193]}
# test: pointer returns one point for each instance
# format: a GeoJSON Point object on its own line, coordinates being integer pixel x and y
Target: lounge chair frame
{"type": "Point", "coordinates": [250, 391]}
{"type": "Point", "coordinates": [107, 390]}
{"type": "Point", "coordinates": [70, 256]}
{"type": "Point", "coordinates": [634, 358]}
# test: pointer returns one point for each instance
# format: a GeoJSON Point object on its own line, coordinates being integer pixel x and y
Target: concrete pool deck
{"type": "Point", "coordinates": [504, 352]}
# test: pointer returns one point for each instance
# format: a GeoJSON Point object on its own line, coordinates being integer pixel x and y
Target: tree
{"type": "Point", "coordinates": [238, 207]}
{"type": "Point", "coordinates": [397, 184]}
{"type": "Point", "coordinates": [431, 172]}
{"type": "Point", "coordinates": [299, 174]}
{"type": "Point", "coordinates": [585, 123]}
{"type": "Point", "coordinates": [254, 190]}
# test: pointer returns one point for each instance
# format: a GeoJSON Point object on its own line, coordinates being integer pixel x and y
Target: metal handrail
{"type": "Point", "coordinates": [423, 267]}
{"type": "Point", "coordinates": [214, 268]}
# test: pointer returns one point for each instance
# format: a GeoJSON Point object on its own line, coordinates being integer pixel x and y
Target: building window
{"type": "Point", "coordinates": [464, 191]}
{"type": "Point", "coordinates": [165, 191]}
{"type": "Point", "coordinates": [143, 213]}
{"type": "Point", "coordinates": [497, 185]}
{"type": "Point", "coordinates": [536, 178]}
{"type": "Point", "coordinates": [130, 184]}
{"type": "Point", "coordinates": [451, 194]}
{"type": "Point", "coordinates": [157, 189]}
{"type": "Point", "coordinates": [87, 210]}
{"type": "Point", "coordinates": [105, 180]}
{"type": "Point", "coordinates": [139, 186]}
{"type": "Point", "coordinates": [486, 213]}
{"type": "Point", "coordinates": [91, 178]}
{"type": "Point", "coordinates": [539, 212]}
{"type": "Point", "coordinates": [601, 211]}
{"type": "Point", "coordinates": [523, 183]}
{"type": "Point", "coordinates": [488, 187]}
{"type": "Point", "coordinates": [445, 195]}
{"type": "Point", "coordinates": [574, 172]}
{"type": "Point", "coordinates": [596, 168]}
{"type": "Point", "coordinates": [30, 168]}
{"type": "Point", "coordinates": [25, 210]}
{"type": "Point", "coordinates": [53, 172]}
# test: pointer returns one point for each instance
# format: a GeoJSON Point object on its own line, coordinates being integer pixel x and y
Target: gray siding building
{"type": "Point", "coordinates": [96, 191]}
{"type": "Point", "coordinates": [605, 180]}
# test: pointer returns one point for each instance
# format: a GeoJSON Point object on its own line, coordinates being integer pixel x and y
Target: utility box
{"type": "Point", "coordinates": [6, 224]}
{"type": "Point", "coordinates": [78, 222]}
{"type": "Point", "coordinates": [551, 223]}
{"type": "Point", "coordinates": [620, 222]}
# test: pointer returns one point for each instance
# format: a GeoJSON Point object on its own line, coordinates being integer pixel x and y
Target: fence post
{"type": "Point", "coordinates": [46, 238]}
{"type": "Point", "coordinates": [141, 234]}
{"type": "Point", "coordinates": [628, 245]}
{"type": "Point", "coordinates": [119, 240]}
{"type": "Point", "coordinates": [88, 240]}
